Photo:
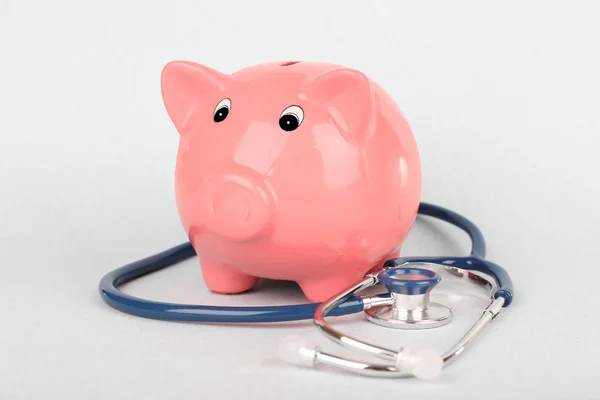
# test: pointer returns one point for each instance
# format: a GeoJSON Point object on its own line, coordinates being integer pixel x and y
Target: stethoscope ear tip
{"type": "Point", "coordinates": [422, 364]}
{"type": "Point", "coordinates": [297, 351]}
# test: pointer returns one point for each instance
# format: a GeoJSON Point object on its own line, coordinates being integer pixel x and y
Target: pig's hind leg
{"type": "Point", "coordinates": [319, 290]}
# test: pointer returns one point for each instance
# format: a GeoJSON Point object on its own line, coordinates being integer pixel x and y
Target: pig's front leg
{"type": "Point", "coordinates": [224, 278]}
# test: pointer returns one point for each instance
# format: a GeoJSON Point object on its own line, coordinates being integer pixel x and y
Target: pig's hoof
{"type": "Point", "coordinates": [226, 279]}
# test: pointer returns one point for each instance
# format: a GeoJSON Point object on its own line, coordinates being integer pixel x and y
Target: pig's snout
{"type": "Point", "coordinates": [236, 207]}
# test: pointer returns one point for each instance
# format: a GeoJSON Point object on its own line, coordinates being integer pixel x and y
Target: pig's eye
{"type": "Point", "coordinates": [291, 118]}
{"type": "Point", "coordinates": [222, 110]}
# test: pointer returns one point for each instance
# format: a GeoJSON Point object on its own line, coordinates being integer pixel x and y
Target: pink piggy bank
{"type": "Point", "coordinates": [297, 171]}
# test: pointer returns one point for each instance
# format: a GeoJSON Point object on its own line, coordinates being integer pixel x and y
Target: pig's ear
{"type": "Point", "coordinates": [185, 87]}
{"type": "Point", "coordinates": [351, 103]}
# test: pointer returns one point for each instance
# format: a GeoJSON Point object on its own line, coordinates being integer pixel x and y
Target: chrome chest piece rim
{"type": "Point", "coordinates": [411, 308]}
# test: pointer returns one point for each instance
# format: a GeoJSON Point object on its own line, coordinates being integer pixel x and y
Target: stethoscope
{"type": "Point", "coordinates": [406, 305]}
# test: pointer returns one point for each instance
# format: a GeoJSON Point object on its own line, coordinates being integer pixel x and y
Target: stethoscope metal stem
{"type": "Point", "coordinates": [490, 313]}
{"type": "Point", "coordinates": [417, 302]}
{"type": "Point", "coordinates": [340, 338]}
{"type": "Point", "coordinates": [367, 369]}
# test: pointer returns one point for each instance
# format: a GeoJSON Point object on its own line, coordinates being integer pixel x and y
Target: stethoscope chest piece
{"type": "Point", "coordinates": [410, 308]}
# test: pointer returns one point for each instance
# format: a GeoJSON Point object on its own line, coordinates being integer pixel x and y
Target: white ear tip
{"type": "Point", "coordinates": [296, 350]}
{"type": "Point", "coordinates": [423, 364]}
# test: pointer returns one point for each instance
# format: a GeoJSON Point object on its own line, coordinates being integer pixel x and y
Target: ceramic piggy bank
{"type": "Point", "coordinates": [297, 171]}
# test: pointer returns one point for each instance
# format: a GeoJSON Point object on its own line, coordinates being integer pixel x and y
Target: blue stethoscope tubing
{"type": "Point", "coordinates": [115, 298]}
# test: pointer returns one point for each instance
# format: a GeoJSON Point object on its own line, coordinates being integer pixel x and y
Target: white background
{"type": "Point", "coordinates": [503, 97]}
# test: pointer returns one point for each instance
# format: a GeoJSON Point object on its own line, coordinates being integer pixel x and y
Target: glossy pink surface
{"type": "Point", "coordinates": [321, 204]}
